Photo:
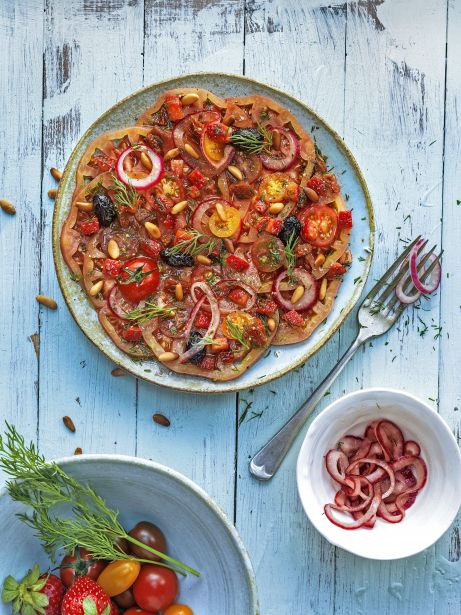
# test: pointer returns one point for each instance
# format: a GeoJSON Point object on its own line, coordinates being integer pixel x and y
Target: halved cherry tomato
{"type": "Point", "coordinates": [227, 227]}
{"type": "Point", "coordinates": [268, 253]}
{"type": "Point", "coordinates": [197, 178]}
{"type": "Point", "coordinates": [319, 225]}
{"type": "Point", "coordinates": [89, 227]}
{"type": "Point", "coordinates": [239, 320]}
{"type": "Point", "coordinates": [237, 263]}
{"type": "Point", "coordinates": [345, 219]}
{"type": "Point", "coordinates": [112, 267]}
{"type": "Point", "coordinates": [202, 320]}
{"type": "Point", "coordinates": [238, 296]}
{"type": "Point", "coordinates": [213, 149]}
{"type": "Point", "coordinates": [277, 187]}
{"type": "Point", "coordinates": [132, 334]}
{"type": "Point", "coordinates": [118, 576]}
{"type": "Point", "coordinates": [324, 185]}
{"type": "Point", "coordinates": [174, 107]}
{"type": "Point", "coordinates": [218, 132]}
{"type": "Point", "coordinates": [151, 248]}
{"type": "Point", "coordinates": [138, 279]}
{"type": "Point", "coordinates": [178, 609]}
{"type": "Point", "coordinates": [156, 588]}
{"type": "Point", "coordinates": [335, 271]}
{"type": "Point", "coordinates": [171, 188]}
{"type": "Point", "coordinates": [78, 564]}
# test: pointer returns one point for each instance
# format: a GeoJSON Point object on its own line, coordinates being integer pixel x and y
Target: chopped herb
{"type": "Point", "coordinates": [149, 311]}
{"type": "Point", "coordinates": [124, 196]}
{"type": "Point", "coordinates": [290, 255]}
{"type": "Point", "coordinates": [194, 245]}
{"type": "Point", "coordinates": [135, 275]}
{"type": "Point", "coordinates": [237, 333]}
{"type": "Point", "coordinates": [245, 410]}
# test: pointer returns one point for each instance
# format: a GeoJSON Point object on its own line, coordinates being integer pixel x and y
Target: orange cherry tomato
{"type": "Point", "coordinates": [277, 187]}
{"type": "Point", "coordinates": [118, 576]}
{"type": "Point", "coordinates": [227, 227]}
{"type": "Point", "coordinates": [178, 609]}
{"type": "Point", "coordinates": [238, 321]}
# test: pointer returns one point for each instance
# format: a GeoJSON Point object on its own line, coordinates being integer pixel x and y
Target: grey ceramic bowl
{"type": "Point", "coordinates": [198, 533]}
{"type": "Point", "coordinates": [281, 359]}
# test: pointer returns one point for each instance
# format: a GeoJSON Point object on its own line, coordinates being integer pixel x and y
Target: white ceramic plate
{"type": "Point", "coordinates": [436, 505]}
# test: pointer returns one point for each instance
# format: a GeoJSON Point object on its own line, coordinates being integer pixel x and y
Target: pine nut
{"type": "Point", "coordinates": [229, 245]}
{"type": "Point", "coordinates": [96, 288]}
{"type": "Point", "coordinates": [271, 324]}
{"type": "Point", "coordinates": [276, 208]}
{"type": "Point", "coordinates": [84, 206]}
{"type": "Point", "coordinates": [323, 289]}
{"type": "Point", "coordinates": [178, 208]}
{"type": "Point", "coordinates": [128, 164]}
{"type": "Point", "coordinates": [153, 230]}
{"type": "Point", "coordinates": [221, 211]}
{"type": "Point", "coordinates": [161, 419]}
{"type": "Point", "coordinates": [297, 294]}
{"type": "Point", "coordinates": [178, 291]}
{"type": "Point", "coordinates": [52, 193]}
{"type": "Point", "coordinates": [56, 173]}
{"type": "Point", "coordinates": [113, 249]}
{"type": "Point", "coordinates": [118, 371]}
{"type": "Point", "coordinates": [78, 451]}
{"type": "Point", "coordinates": [90, 265]}
{"type": "Point", "coordinates": [311, 194]}
{"type": "Point", "coordinates": [191, 151]}
{"type": "Point", "coordinates": [236, 172]}
{"type": "Point", "coordinates": [69, 423]}
{"type": "Point", "coordinates": [166, 357]}
{"type": "Point", "coordinates": [276, 139]}
{"type": "Point", "coordinates": [189, 99]}
{"type": "Point", "coordinates": [203, 260]}
{"type": "Point", "coordinates": [145, 161]}
{"type": "Point", "coordinates": [346, 258]}
{"type": "Point", "coordinates": [7, 207]}
{"type": "Point", "coordinates": [171, 153]}
{"type": "Point", "coordinates": [223, 188]}
{"type": "Point", "coordinates": [47, 301]}
{"type": "Point", "coordinates": [319, 260]}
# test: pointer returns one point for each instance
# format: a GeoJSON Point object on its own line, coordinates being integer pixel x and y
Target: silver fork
{"type": "Point", "coordinates": [378, 312]}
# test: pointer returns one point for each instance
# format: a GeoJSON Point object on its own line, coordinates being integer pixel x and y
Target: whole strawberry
{"type": "Point", "coordinates": [85, 597]}
{"type": "Point", "coordinates": [35, 593]}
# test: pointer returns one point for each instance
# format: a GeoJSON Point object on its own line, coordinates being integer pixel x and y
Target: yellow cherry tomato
{"type": "Point", "coordinates": [178, 609]}
{"type": "Point", "coordinates": [119, 576]}
{"type": "Point", "coordinates": [214, 150]}
{"type": "Point", "coordinates": [235, 323]}
{"type": "Point", "coordinates": [227, 227]}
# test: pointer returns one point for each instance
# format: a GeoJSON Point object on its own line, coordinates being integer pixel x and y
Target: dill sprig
{"type": "Point", "coordinates": [149, 311]}
{"type": "Point", "coordinates": [290, 255]}
{"type": "Point", "coordinates": [124, 196]}
{"type": "Point", "coordinates": [43, 486]}
{"type": "Point", "coordinates": [194, 245]}
{"type": "Point", "coordinates": [237, 333]}
{"type": "Point", "coordinates": [252, 140]}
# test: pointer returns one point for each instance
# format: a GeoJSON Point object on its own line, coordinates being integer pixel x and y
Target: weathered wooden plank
{"type": "Point", "coordinates": [447, 567]}
{"type": "Point", "coordinates": [190, 36]}
{"type": "Point", "coordinates": [394, 123]}
{"type": "Point", "coordinates": [92, 59]}
{"type": "Point", "coordinates": [299, 48]}
{"type": "Point", "coordinates": [21, 42]}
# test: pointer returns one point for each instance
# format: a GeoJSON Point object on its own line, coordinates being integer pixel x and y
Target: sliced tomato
{"type": "Point", "coordinates": [132, 334]}
{"type": "Point", "coordinates": [320, 224]}
{"type": "Point", "coordinates": [202, 320]}
{"type": "Point", "coordinates": [325, 186]}
{"type": "Point", "coordinates": [237, 263]}
{"type": "Point", "coordinates": [345, 219]}
{"type": "Point", "coordinates": [218, 132]}
{"type": "Point", "coordinates": [294, 319]}
{"type": "Point", "coordinates": [111, 267]}
{"type": "Point", "coordinates": [90, 227]}
{"type": "Point", "coordinates": [213, 149]}
{"type": "Point", "coordinates": [151, 248]}
{"type": "Point", "coordinates": [238, 321]}
{"type": "Point", "coordinates": [238, 296]}
{"type": "Point", "coordinates": [174, 107]}
{"type": "Point", "coordinates": [336, 270]}
{"type": "Point", "coordinates": [255, 333]}
{"type": "Point", "coordinates": [270, 225]}
{"type": "Point", "coordinates": [268, 253]}
{"type": "Point", "coordinates": [250, 165]}
{"type": "Point", "coordinates": [266, 307]}
{"type": "Point", "coordinates": [138, 279]}
{"type": "Point", "coordinates": [227, 227]}
{"type": "Point", "coordinates": [197, 178]}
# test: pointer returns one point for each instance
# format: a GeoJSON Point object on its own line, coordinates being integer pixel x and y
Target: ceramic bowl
{"type": "Point", "coordinates": [281, 359]}
{"type": "Point", "coordinates": [436, 505]}
{"type": "Point", "coordinates": [198, 533]}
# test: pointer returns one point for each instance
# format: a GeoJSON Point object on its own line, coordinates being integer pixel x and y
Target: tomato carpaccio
{"type": "Point", "coordinates": [198, 211]}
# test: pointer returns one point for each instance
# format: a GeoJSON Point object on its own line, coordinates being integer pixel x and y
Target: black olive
{"type": "Point", "coordinates": [291, 226]}
{"type": "Point", "coordinates": [195, 338]}
{"type": "Point", "coordinates": [178, 259]}
{"type": "Point", "coordinates": [104, 209]}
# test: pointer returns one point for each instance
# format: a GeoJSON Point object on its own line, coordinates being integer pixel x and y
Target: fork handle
{"type": "Point", "coordinates": [266, 462]}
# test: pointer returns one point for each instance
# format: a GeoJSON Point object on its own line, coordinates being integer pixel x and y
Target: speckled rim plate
{"type": "Point", "coordinates": [279, 360]}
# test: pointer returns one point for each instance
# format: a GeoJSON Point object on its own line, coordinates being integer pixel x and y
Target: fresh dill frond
{"type": "Point", "coordinates": [149, 311]}
{"type": "Point", "coordinates": [124, 196]}
{"type": "Point", "coordinates": [252, 140]}
{"type": "Point", "coordinates": [290, 255]}
{"type": "Point", "coordinates": [194, 245]}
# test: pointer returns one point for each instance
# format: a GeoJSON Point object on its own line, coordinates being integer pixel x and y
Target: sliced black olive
{"type": "Point", "coordinates": [195, 338]}
{"type": "Point", "coordinates": [176, 259]}
{"type": "Point", "coordinates": [291, 226]}
{"type": "Point", "coordinates": [104, 209]}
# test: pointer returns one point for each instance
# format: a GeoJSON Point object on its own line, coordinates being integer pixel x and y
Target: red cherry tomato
{"type": "Point", "coordinates": [138, 279]}
{"type": "Point", "coordinates": [150, 535]}
{"type": "Point", "coordinates": [268, 253]}
{"type": "Point", "coordinates": [81, 563]}
{"type": "Point", "coordinates": [137, 611]}
{"type": "Point", "coordinates": [320, 224]}
{"type": "Point", "coordinates": [155, 588]}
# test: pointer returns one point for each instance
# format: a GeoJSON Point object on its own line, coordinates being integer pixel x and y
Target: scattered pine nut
{"type": "Point", "coordinates": [153, 230]}
{"type": "Point", "coordinates": [311, 194]}
{"type": "Point", "coordinates": [236, 172]}
{"type": "Point", "coordinates": [84, 205]}
{"type": "Point", "coordinates": [78, 451]}
{"type": "Point", "coordinates": [189, 99]}
{"type": "Point", "coordinates": [47, 301]}
{"type": "Point", "coordinates": [7, 207]}
{"type": "Point", "coordinates": [113, 249]}
{"type": "Point", "coordinates": [221, 211]}
{"type": "Point", "coordinates": [56, 173]}
{"type": "Point", "coordinates": [178, 208]}
{"type": "Point", "coordinates": [319, 260]}
{"type": "Point", "coordinates": [145, 161]}
{"type": "Point", "coordinates": [276, 208]}
{"type": "Point", "coordinates": [160, 419]}
{"type": "Point", "coordinates": [34, 338]}
{"type": "Point", "coordinates": [69, 423]}
{"type": "Point", "coordinates": [271, 324]}
{"type": "Point", "coordinates": [323, 289]}
{"type": "Point", "coordinates": [191, 151]}
{"type": "Point", "coordinates": [52, 193]}
{"type": "Point", "coordinates": [118, 371]}
{"type": "Point", "coordinates": [229, 245]}
{"type": "Point", "coordinates": [297, 294]}
{"type": "Point", "coordinates": [90, 265]}
{"type": "Point", "coordinates": [178, 291]}
{"type": "Point", "coordinates": [166, 357]}
{"type": "Point", "coordinates": [276, 139]}
{"type": "Point", "coordinates": [171, 153]}
{"type": "Point", "coordinates": [222, 185]}
{"type": "Point", "coordinates": [203, 260]}
{"type": "Point", "coordinates": [96, 288]}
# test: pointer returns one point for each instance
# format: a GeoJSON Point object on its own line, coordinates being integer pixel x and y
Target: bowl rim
{"type": "Point", "coordinates": [186, 482]}
{"type": "Point", "coordinates": [277, 373]}
{"type": "Point", "coordinates": [360, 393]}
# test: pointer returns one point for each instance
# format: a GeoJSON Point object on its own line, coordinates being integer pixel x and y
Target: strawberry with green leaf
{"type": "Point", "coordinates": [86, 597]}
{"type": "Point", "coordinates": [35, 594]}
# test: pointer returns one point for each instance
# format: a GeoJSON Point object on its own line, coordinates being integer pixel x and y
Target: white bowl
{"type": "Point", "coordinates": [436, 505]}
{"type": "Point", "coordinates": [197, 531]}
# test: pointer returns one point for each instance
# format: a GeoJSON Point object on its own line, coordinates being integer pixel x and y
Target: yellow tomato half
{"type": "Point", "coordinates": [118, 576]}
{"type": "Point", "coordinates": [214, 150]}
{"type": "Point", "coordinates": [236, 319]}
{"type": "Point", "coordinates": [227, 227]}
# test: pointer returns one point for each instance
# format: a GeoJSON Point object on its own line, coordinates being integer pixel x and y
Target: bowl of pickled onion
{"type": "Point", "coordinates": [379, 474]}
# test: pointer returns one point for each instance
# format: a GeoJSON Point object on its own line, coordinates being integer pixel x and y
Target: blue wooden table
{"type": "Point", "coordinates": [386, 75]}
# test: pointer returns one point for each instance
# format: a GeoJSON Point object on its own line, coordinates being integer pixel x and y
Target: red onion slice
{"type": "Point", "coordinates": [435, 275]}
{"type": "Point", "coordinates": [367, 517]}
{"type": "Point", "coordinates": [336, 463]}
{"type": "Point", "coordinates": [391, 439]}
{"type": "Point", "coordinates": [118, 304]}
{"type": "Point", "coordinates": [214, 323]}
{"type": "Point", "coordinates": [309, 297]}
{"type": "Point", "coordinates": [286, 156]}
{"type": "Point", "coordinates": [374, 478]}
{"type": "Point", "coordinates": [201, 210]}
{"type": "Point", "coordinates": [140, 183]}
{"type": "Point", "coordinates": [412, 448]}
